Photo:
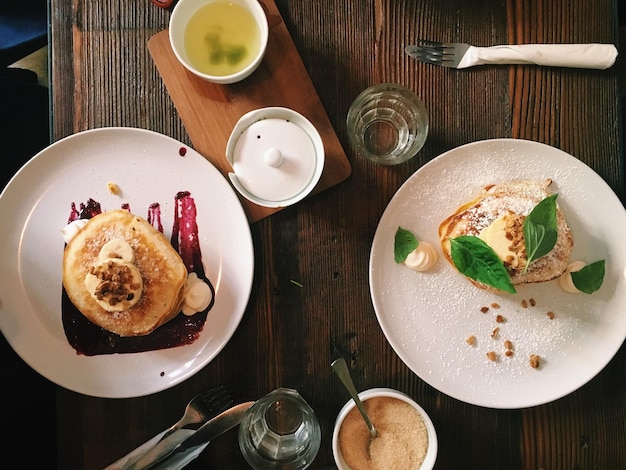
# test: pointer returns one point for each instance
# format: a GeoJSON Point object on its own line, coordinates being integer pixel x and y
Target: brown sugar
{"type": "Point", "coordinates": [402, 439]}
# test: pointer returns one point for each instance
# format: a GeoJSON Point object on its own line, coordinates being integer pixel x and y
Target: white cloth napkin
{"type": "Point", "coordinates": [173, 463]}
{"type": "Point", "coordinates": [589, 56]}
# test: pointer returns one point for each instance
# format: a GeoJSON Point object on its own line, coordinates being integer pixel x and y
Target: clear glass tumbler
{"type": "Point", "coordinates": [387, 124]}
{"type": "Point", "coordinates": [280, 431]}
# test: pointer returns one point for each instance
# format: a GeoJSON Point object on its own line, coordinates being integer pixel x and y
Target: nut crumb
{"type": "Point", "coordinates": [484, 309]}
{"type": "Point", "coordinates": [551, 315]}
{"type": "Point", "coordinates": [532, 301]}
{"type": "Point", "coordinates": [495, 332]}
{"type": "Point", "coordinates": [500, 319]}
{"type": "Point", "coordinates": [508, 353]}
{"type": "Point", "coordinates": [492, 356]}
{"type": "Point", "coordinates": [113, 188]}
{"type": "Point", "coordinates": [495, 305]}
{"type": "Point", "coordinates": [471, 340]}
{"type": "Point", "coordinates": [524, 303]}
{"type": "Point", "coordinates": [535, 361]}
{"type": "Point", "coordinates": [508, 344]}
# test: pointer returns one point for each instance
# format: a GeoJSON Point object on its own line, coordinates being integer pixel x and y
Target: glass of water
{"type": "Point", "coordinates": [280, 431]}
{"type": "Point", "coordinates": [387, 124]}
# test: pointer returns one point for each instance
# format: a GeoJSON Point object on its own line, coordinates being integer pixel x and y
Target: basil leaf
{"type": "Point", "coordinates": [540, 230]}
{"type": "Point", "coordinates": [404, 243]}
{"type": "Point", "coordinates": [477, 260]}
{"type": "Point", "coordinates": [589, 279]}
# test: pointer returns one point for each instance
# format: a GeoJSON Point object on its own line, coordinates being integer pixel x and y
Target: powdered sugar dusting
{"type": "Point", "coordinates": [427, 317]}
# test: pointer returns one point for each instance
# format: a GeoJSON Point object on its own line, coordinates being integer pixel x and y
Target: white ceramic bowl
{"type": "Point", "coordinates": [431, 453]}
{"type": "Point", "coordinates": [186, 9]}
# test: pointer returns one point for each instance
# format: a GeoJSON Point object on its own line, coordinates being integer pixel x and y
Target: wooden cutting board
{"type": "Point", "coordinates": [210, 111]}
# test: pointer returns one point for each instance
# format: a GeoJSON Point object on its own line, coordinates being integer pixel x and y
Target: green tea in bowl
{"type": "Point", "coordinates": [222, 38]}
{"type": "Point", "coordinates": [221, 41]}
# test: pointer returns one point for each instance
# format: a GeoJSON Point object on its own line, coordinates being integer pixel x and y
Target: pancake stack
{"type": "Point", "coordinates": [509, 203]}
{"type": "Point", "coordinates": [123, 275]}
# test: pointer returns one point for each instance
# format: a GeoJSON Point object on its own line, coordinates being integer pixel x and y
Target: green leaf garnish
{"type": "Point", "coordinates": [477, 260]}
{"type": "Point", "coordinates": [404, 243]}
{"type": "Point", "coordinates": [590, 278]}
{"type": "Point", "coordinates": [540, 230]}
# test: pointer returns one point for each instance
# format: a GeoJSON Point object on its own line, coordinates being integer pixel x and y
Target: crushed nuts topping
{"type": "Point", "coordinates": [116, 283]}
{"type": "Point", "coordinates": [113, 188]}
{"type": "Point", "coordinates": [514, 232]}
{"type": "Point", "coordinates": [535, 361]}
{"type": "Point", "coordinates": [496, 333]}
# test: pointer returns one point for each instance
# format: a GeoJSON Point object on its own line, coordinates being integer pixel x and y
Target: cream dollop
{"type": "Point", "coordinates": [422, 258]}
{"type": "Point", "coordinates": [72, 229]}
{"type": "Point", "coordinates": [565, 281]}
{"type": "Point", "coordinates": [197, 295]}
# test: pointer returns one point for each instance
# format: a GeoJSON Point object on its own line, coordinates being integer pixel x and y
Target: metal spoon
{"type": "Point", "coordinates": [341, 369]}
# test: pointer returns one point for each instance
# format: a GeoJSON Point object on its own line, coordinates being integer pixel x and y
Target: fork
{"type": "Point", "coordinates": [461, 55]}
{"type": "Point", "coordinates": [438, 53]}
{"type": "Point", "coordinates": [201, 408]}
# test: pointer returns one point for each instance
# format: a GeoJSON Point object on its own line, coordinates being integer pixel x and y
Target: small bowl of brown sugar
{"type": "Point", "coordinates": [406, 436]}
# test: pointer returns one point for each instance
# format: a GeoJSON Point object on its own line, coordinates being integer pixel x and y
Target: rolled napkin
{"type": "Point", "coordinates": [587, 56]}
{"type": "Point", "coordinates": [174, 463]}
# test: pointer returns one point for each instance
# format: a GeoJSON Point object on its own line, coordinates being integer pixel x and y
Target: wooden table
{"type": "Point", "coordinates": [103, 75]}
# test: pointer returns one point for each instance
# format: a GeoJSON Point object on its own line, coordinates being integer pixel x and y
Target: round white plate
{"type": "Point", "coordinates": [428, 316]}
{"type": "Point", "coordinates": [148, 168]}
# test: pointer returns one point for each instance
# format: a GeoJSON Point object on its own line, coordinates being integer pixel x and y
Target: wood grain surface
{"type": "Point", "coordinates": [104, 75]}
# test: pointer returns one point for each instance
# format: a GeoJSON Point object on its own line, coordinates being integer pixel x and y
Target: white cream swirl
{"type": "Point", "coordinates": [72, 229]}
{"type": "Point", "coordinates": [422, 258]}
{"type": "Point", "coordinates": [565, 281]}
{"type": "Point", "coordinates": [197, 295]}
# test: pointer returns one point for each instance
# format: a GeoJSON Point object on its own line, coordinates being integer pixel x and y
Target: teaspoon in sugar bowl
{"type": "Point", "coordinates": [340, 368]}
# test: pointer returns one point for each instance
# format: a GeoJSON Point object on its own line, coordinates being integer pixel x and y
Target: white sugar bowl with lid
{"type": "Point", "coordinates": [277, 156]}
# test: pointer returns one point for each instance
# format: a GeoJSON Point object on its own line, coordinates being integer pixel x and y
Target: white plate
{"type": "Point", "coordinates": [428, 316]}
{"type": "Point", "coordinates": [148, 168]}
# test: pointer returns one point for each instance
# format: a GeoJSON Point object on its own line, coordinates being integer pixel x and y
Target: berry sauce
{"type": "Point", "coordinates": [91, 340]}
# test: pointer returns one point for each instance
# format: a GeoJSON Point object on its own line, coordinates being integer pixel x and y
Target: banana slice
{"type": "Point", "coordinates": [117, 248]}
{"type": "Point", "coordinates": [114, 282]}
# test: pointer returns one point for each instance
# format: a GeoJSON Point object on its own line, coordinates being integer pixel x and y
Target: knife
{"type": "Point", "coordinates": [204, 434]}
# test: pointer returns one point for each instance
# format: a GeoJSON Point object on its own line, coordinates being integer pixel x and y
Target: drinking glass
{"type": "Point", "coordinates": [387, 124]}
{"type": "Point", "coordinates": [280, 431]}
